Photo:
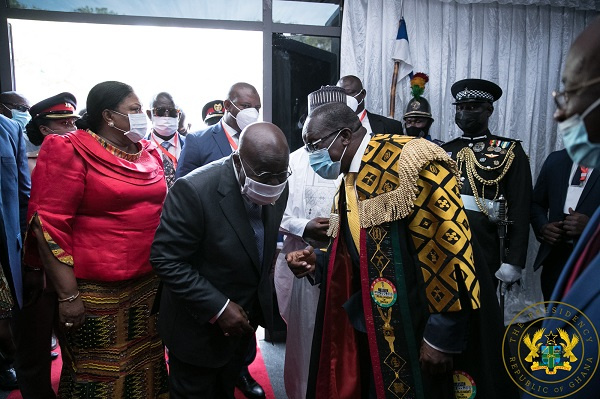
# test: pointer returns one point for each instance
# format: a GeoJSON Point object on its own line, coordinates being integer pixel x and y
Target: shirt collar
{"type": "Point", "coordinates": [355, 164]}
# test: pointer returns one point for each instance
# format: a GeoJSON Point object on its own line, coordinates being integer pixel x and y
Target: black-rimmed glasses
{"type": "Point", "coordinates": [312, 147]}
{"type": "Point", "coordinates": [561, 98]}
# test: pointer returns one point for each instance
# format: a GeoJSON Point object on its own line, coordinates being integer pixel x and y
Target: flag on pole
{"type": "Point", "coordinates": [401, 52]}
{"type": "Point", "coordinates": [402, 62]}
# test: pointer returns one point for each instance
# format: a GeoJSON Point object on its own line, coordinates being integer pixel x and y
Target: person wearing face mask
{"type": "Point", "coordinates": [417, 118]}
{"type": "Point", "coordinates": [165, 115]}
{"type": "Point", "coordinates": [221, 139]}
{"type": "Point", "coordinates": [14, 194]}
{"type": "Point", "coordinates": [578, 117]}
{"type": "Point", "coordinates": [16, 107]}
{"type": "Point", "coordinates": [375, 124]}
{"type": "Point", "coordinates": [214, 250]}
{"type": "Point", "coordinates": [96, 200]}
{"type": "Point", "coordinates": [54, 115]}
{"type": "Point", "coordinates": [493, 168]}
{"type": "Point", "coordinates": [399, 241]}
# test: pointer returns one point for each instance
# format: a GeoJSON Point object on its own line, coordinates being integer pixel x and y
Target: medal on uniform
{"type": "Point", "coordinates": [504, 146]}
{"type": "Point", "coordinates": [498, 147]}
{"type": "Point", "coordinates": [482, 159]}
{"type": "Point", "coordinates": [491, 147]}
{"type": "Point", "coordinates": [496, 163]}
{"type": "Point", "coordinates": [479, 146]}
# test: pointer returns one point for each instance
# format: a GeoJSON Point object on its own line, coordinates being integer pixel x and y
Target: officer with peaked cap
{"type": "Point", "coordinates": [495, 171]}
{"type": "Point", "coordinates": [54, 115]}
{"type": "Point", "coordinates": [212, 112]}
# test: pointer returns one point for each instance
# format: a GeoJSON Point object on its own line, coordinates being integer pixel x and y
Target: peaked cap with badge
{"type": "Point", "coordinates": [213, 110]}
{"type": "Point", "coordinates": [60, 106]}
{"type": "Point", "coordinates": [475, 91]}
{"type": "Point", "coordinates": [492, 167]}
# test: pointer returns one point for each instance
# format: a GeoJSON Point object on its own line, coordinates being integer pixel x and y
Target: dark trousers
{"type": "Point", "coordinates": [249, 356]}
{"type": "Point", "coordinates": [32, 328]}
{"type": "Point", "coordinates": [188, 381]}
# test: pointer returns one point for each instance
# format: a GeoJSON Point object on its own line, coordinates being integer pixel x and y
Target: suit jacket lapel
{"type": "Point", "coordinates": [234, 210]}
{"type": "Point", "coordinates": [564, 176]}
{"type": "Point", "coordinates": [593, 180]}
{"type": "Point", "coordinates": [221, 139]}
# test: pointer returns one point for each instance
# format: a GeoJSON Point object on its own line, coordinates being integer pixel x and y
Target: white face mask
{"type": "Point", "coordinates": [138, 126]}
{"type": "Point", "coordinates": [165, 125]}
{"type": "Point", "coordinates": [245, 116]}
{"type": "Point", "coordinates": [351, 102]}
{"type": "Point", "coordinates": [260, 193]}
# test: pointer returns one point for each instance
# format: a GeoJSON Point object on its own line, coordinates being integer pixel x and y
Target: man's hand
{"type": "Point", "coordinates": [316, 229]}
{"type": "Point", "coordinates": [234, 321]}
{"type": "Point", "coordinates": [435, 362]}
{"type": "Point", "coordinates": [575, 223]}
{"type": "Point", "coordinates": [302, 262]}
{"type": "Point", "coordinates": [552, 232]}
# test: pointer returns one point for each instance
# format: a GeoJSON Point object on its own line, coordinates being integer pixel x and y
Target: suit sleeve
{"type": "Point", "coordinates": [179, 234]}
{"type": "Point", "coordinates": [540, 200]}
{"type": "Point", "coordinates": [189, 159]}
{"type": "Point", "coordinates": [518, 197]}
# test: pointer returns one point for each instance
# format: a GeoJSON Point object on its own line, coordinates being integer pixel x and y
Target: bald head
{"type": "Point", "coordinates": [241, 96]}
{"type": "Point", "coordinates": [353, 87]}
{"type": "Point", "coordinates": [264, 148]}
{"type": "Point", "coordinates": [581, 79]}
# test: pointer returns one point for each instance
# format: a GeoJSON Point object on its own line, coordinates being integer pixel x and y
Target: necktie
{"type": "Point", "coordinates": [166, 145]}
{"type": "Point", "coordinates": [254, 216]}
{"type": "Point", "coordinates": [352, 209]}
{"type": "Point", "coordinates": [576, 177]}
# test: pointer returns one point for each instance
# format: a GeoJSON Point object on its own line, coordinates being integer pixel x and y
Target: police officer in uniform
{"type": "Point", "coordinates": [493, 169]}
{"type": "Point", "coordinates": [212, 112]}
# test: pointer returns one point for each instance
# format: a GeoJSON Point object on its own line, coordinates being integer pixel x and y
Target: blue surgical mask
{"type": "Point", "coordinates": [576, 140]}
{"type": "Point", "coordinates": [321, 162]}
{"type": "Point", "coordinates": [21, 117]}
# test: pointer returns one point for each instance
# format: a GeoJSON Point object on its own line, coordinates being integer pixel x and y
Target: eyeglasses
{"type": "Point", "coordinates": [267, 176]}
{"type": "Point", "coordinates": [561, 98]}
{"type": "Point", "coordinates": [166, 111]}
{"type": "Point", "coordinates": [312, 147]}
{"type": "Point", "coordinates": [18, 107]}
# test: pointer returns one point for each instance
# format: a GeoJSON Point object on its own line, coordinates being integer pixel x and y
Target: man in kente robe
{"type": "Point", "coordinates": [400, 309]}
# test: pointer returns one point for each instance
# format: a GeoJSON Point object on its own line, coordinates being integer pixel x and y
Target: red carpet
{"type": "Point", "coordinates": [257, 370]}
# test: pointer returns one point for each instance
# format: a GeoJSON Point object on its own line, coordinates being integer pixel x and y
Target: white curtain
{"type": "Point", "coordinates": [520, 47]}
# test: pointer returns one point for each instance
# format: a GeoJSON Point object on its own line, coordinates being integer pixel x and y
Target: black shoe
{"type": "Point", "coordinates": [53, 355]}
{"type": "Point", "coordinates": [8, 379]}
{"type": "Point", "coordinates": [249, 387]}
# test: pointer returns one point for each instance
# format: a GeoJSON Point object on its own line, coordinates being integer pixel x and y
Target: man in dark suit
{"type": "Point", "coordinates": [213, 251]}
{"type": "Point", "coordinates": [165, 117]}
{"type": "Point", "coordinates": [15, 185]}
{"type": "Point", "coordinates": [218, 141]}
{"type": "Point", "coordinates": [578, 117]}
{"type": "Point", "coordinates": [565, 196]}
{"type": "Point", "coordinates": [374, 123]}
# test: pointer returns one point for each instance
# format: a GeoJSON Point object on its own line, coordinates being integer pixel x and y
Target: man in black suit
{"type": "Point", "coordinates": [374, 123]}
{"type": "Point", "coordinates": [564, 198]}
{"type": "Point", "coordinates": [219, 140]}
{"type": "Point", "coordinates": [213, 251]}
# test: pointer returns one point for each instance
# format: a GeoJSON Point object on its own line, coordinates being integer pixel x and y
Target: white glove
{"type": "Point", "coordinates": [508, 273]}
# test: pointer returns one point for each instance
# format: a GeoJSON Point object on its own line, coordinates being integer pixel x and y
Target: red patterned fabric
{"type": "Point", "coordinates": [99, 211]}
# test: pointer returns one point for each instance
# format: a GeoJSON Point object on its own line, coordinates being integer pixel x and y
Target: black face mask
{"type": "Point", "coordinates": [416, 131]}
{"type": "Point", "coordinates": [469, 121]}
